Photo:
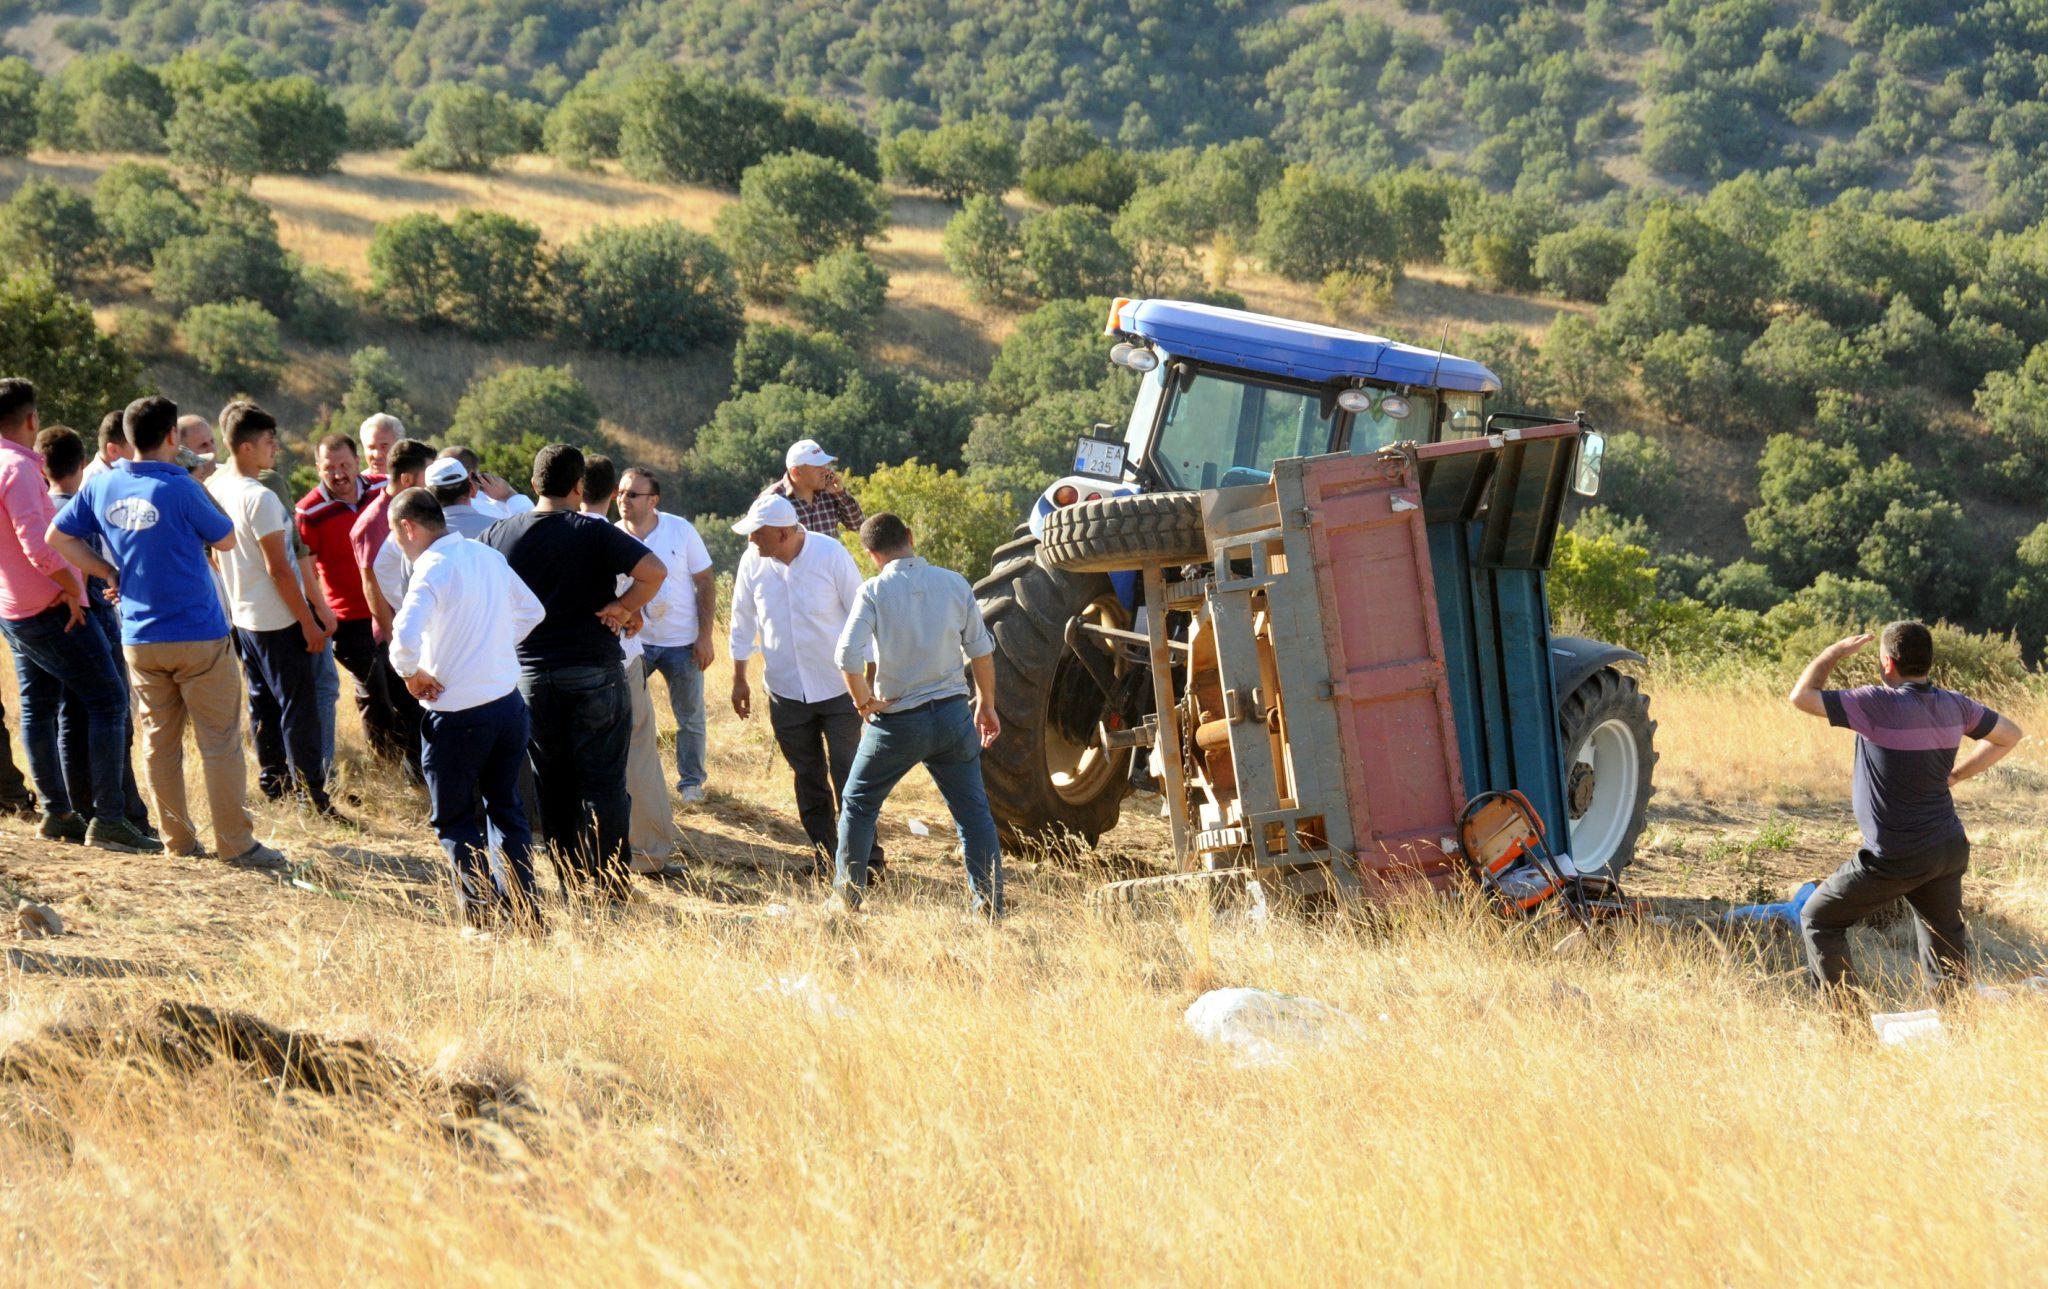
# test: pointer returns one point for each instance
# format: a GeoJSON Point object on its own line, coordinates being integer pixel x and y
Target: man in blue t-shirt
{"type": "Point", "coordinates": [156, 524]}
{"type": "Point", "coordinates": [1914, 846]}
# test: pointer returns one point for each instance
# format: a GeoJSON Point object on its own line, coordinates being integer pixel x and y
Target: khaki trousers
{"type": "Point", "coordinates": [194, 679]}
{"type": "Point", "coordinates": [652, 831]}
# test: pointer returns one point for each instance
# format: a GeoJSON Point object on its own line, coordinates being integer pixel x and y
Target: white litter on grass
{"type": "Point", "coordinates": [775, 910]}
{"type": "Point", "coordinates": [918, 827]}
{"type": "Point", "coordinates": [803, 989]}
{"type": "Point", "coordinates": [1260, 1026]}
{"type": "Point", "coordinates": [1897, 1028]}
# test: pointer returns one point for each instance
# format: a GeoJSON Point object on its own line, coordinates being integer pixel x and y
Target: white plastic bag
{"type": "Point", "coordinates": [1897, 1028]}
{"type": "Point", "coordinates": [1260, 1026]}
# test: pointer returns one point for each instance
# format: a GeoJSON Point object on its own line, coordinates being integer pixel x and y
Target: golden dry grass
{"type": "Point", "coordinates": [966, 1105]}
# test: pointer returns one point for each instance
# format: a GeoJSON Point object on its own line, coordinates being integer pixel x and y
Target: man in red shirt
{"type": "Point", "coordinates": [407, 461]}
{"type": "Point", "coordinates": [325, 517]}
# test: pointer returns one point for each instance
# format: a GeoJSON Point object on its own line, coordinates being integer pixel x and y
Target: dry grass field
{"type": "Point", "coordinates": [726, 1085]}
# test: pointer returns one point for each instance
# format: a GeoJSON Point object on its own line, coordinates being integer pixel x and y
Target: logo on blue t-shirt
{"type": "Point", "coordinates": [133, 513]}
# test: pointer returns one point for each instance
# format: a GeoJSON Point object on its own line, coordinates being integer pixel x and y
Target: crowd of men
{"type": "Point", "coordinates": [499, 647]}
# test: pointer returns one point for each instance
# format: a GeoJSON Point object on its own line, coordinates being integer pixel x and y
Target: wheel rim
{"type": "Point", "coordinates": [1081, 771]}
{"type": "Point", "coordinates": [1604, 778]}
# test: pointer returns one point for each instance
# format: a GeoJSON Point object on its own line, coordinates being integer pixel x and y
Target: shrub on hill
{"type": "Point", "coordinates": [654, 288]}
{"type": "Point", "coordinates": [968, 158]}
{"type": "Point", "coordinates": [482, 272]}
{"type": "Point", "coordinates": [49, 336]}
{"type": "Point", "coordinates": [237, 344]}
{"type": "Point", "coordinates": [508, 418]}
{"type": "Point", "coordinates": [48, 224]}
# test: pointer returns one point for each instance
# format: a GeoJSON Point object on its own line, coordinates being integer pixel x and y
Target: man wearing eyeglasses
{"type": "Point", "coordinates": [678, 639]}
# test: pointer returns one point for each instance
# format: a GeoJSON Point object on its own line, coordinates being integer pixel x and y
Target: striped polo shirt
{"type": "Point", "coordinates": [1906, 740]}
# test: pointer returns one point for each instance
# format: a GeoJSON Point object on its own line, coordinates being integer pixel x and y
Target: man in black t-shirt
{"type": "Point", "coordinates": [571, 670]}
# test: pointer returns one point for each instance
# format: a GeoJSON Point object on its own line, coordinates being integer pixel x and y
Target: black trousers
{"type": "Point", "coordinates": [284, 711]}
{"type": "Point", "coordinates": [1930, 881]}
{"type": "Point", "coordinates": [355, 651]}
{"type": "Point", "coordinates": [579, 722]}
{"type": "Point", "coordinates": [819, 740]}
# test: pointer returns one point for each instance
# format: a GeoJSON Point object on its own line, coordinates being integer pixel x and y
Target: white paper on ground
{"type": "Point", "coordinates": [1260, 1026]}
{"type": "Point", "coordinates": [1896, 1028]}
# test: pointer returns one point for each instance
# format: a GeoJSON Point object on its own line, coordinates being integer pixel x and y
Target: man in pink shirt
{"type": "Point", "coordinates": [56, 651]}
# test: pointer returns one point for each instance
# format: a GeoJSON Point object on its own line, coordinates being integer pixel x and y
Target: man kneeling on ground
{"type": "Point", "coordinates": [923, 622]}
{"type": "Point", "coordinates": [455, 642]}
{"type": "Point", "coordinates": [1914, 846]}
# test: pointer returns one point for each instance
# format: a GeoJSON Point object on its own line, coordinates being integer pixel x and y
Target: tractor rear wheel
{"type": "Point", "coordinates": [1111, 534]}
{"type": "Point", "coordinates": [1609, 754]}
{"type": "Point", "coordinates": [1048, 776]}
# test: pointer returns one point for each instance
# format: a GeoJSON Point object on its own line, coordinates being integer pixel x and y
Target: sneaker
{"type": "Point", "coordinates": [69, 828]}
{"type": "Point", "coordinates": [692, 795]}
{"type": "Point", "coordinates": [259, 856]}
{"type": "Point", "coordinates": [120, 835]}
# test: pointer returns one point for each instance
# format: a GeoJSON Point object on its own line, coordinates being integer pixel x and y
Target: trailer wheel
{"type": "Point", "coordinates": [1049, 779]}
{"type": "Point", "coordinates": [1610, 753]}
{"type": "Point", "coordinates": [1111, 534]}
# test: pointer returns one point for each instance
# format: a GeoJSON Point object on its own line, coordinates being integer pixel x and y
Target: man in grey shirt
{"type": "Point", "coordinates": [923, 624]}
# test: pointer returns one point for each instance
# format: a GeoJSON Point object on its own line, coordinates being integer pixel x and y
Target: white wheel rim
{"type": "Point", "coordinates": [1610, 753]}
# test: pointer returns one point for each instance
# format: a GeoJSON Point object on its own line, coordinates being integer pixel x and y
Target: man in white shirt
{"type": "Point", "coordinates": [651, 834]}
{"type": "Point", "coordinates": [454, 642]}
{"type": "Point", "coordinates": [678, 642]}
{"type": "Point", "coordinates": [793, 593]}
{"type": "Point", "coordinates": [277, 633]}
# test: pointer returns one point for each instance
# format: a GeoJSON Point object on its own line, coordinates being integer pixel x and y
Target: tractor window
{"type": "Point", "coordinates": [1374, 429]}
{"type": "Point", "coordinates": [1221, 431]}
{"type": "Point", "coordinates": [1464, 416]}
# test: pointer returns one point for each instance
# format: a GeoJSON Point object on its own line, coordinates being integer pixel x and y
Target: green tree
{"type": "Point", "coordinates": [1039, 438]}
{"type": "Point", "coordinates": [1103, 178]}
{"type": "Point", "coordinates": [483, 272]}
{"type": "Point", "coordinates": [793, 210]}
{"type": "Point", "coordinates": [234, 256]}
{"type": "Point", "coordinates": [965, 159]}
{"type": "Point", "coordinates": [2014, 405]}
{"type": "Point", "coordinates": [1690, 372]}
{"type": "Point", "coordinates": [1495, 238]}
{"type": "Point", "coordinates": [237, 344]}
{"type": "Point", "coordinates": [299, 128]}
{"type": "Point", "coordinates": [655, 288]}
{"type": "Point", "coordinates": [1058, 346]}
{"type": "Point", "coordinates": [19, 87]}
{"type": "Point", "coordinates": [1314, 223]}
{"type": "Point", "coordinates": [843, 294]}
{"type": "Point", "coordinates": [48, 224]}
{"type": "Point", "coordinates": [104, 103]}
{"type": "Point", "coordinates": [508, 418]}
{"type": "Point", "coordinates": [1583, 262]}
{"type": "Point", "coordinates": [376, 384]}
{"type": "Point", "coordinates": [692, 127]}
{"type": "Point", "coordinates": [469, 128]}
{"type": "Point", "coordinates": [1685, 273]}
{"type": "Point", "coordinates": [141, 207]}
{"type": "Point", "coordinates": [49, 336]}
{"type": "Point", "coordinates": [214, 139]}
{"type": "Point", "coordinates": [956, 522]}
{"type": "Point", "coordinates": [1072, 251]}
{"type": "Point", "coordinates": [2026, 593]}
{"type": "Point", "coordinates": [584, 126]}
{"type": "Point", "coordinates": [770, 353]}
{"type": "Point", "coordinates": [983, 249]}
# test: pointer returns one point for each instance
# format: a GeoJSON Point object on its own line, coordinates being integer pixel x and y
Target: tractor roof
{"type": "Point", "coordinates": [1298, 350]}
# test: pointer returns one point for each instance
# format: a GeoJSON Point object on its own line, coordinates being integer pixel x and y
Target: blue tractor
{"type": "Point", "coordinates": [1225, 395]}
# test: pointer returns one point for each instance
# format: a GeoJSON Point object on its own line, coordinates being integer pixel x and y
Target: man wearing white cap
{"type": "Point", "coordinates": [790, 599]}
{"type": "Point", "coordinates": [810, 484]}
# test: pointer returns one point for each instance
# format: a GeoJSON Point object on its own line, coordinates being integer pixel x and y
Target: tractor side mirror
{"type": "Point", "coordinates": [1592, 452]}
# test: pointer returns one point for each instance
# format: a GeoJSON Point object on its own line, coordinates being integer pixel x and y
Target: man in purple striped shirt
{"type": "Point", "coordinates": [1914, 846]}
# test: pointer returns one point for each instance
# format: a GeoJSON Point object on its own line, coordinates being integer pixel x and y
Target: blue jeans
{"type": "Point", "coordinates": [941, 736]}
{"type": "Point", "coordinates": [282, 713]}
{"type": "Point", "coordinates": [50, 662]}
{"type": "Point", "coordinates": [473, 757]}
{"type": "Point", "coordinates": [677, 664]}
{"type": "Point", "coordinates": [581, 731]}
{"type": "Point", "coordinates": [326, 693]}
{"type": "Point", "coordinates": [74, 735]}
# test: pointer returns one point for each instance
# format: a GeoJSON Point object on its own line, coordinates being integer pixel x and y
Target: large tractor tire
{"type": "Point", "coordinates": [1111, 534]}
{"type": "Point", "coordinates": [1609, 755]}
{"type": "Point", "coordinates": [1049, 779]}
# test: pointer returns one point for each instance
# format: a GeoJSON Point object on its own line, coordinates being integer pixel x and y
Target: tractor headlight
{"type": "Point", "coordinates": [1355, 400]}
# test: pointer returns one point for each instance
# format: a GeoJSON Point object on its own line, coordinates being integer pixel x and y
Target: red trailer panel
{"type": "Point", "coordinates": [1386, 653]}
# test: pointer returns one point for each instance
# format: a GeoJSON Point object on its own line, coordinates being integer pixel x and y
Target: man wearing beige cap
{"type": "Point", "coordinates": [791, 597]}
{"type": "Point", "coordinates": [810, 484]}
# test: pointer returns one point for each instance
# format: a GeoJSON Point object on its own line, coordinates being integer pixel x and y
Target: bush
{"type": "Point", "coordinates": [299, 129]}
{"type": "Point", "coordinates": [1103, 178]}
{"type": "Point", "coordinates": [1071, 252]}
{"type": "Point", "coordinates": [469, 129]}
{"type": "Point", "coordinates": [769, 354]}
{"type": "Point", "coordinates": [1039, 438]}
{"type": "Point", "coordinates": [143, 332]}
{"type": "Point", "coordinates": [1639, 476]}
{"type": "Point", "coordinates": [983, 250]}
{"type": "Point", "coordinates": [584, 126]}
{"type": "Point", "coordinates": [482, 272]}
{"type": "Point", "coordinates": [323, 304]}
{"type": "Point", "coordinates": [1583, 262]}
{"type": "Point", "coordinates": [1495, 238]}
{"type": "Point", "coordinates": [649, 289]}
{"type": "Point", "coordinates": [1058, 346]}
{"type": "Point", "coordinates": [49, 336]}
{"type": "Point", "coordinates": [48, 224]}
{"type": "Point", "coordinates": [957, 524]}
{"type": "Point", "coordinates": [842, 294]}
{"type": "Point", "coordinates": [793, 210]}
{"type": "Point", "coordinates": [1314, 223]}
{"type": "Point", "coordinates": [697, 128]}
{"type": "Point", "coordinates": [976, 157]}
{"type": "Point", "coordinates": [19, 87]}
{"type": "Point", "coordinates": [376, 126]}
{"type": "Point", "coordinates": [1354, 297]}
{"type": "Point", "coordinates": [140, 208]}
{"type": "Point", "coordinates": [375, 385]}
{"type": "Point", "coordinates": [236, 344]}
{"type": "Point", "coordinates": [213, 138]}
{"type": "Point", "coordinates": [234, 256]}
{"type": "Point", "coordinates": [1686, 272]}
{"type": "Point", "coordinates": [2014, 405]}
{"type": "Point", "coordinates": [1686, 374]}
{"type": "Point", "coordinates": [508, 418]}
